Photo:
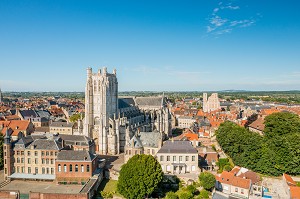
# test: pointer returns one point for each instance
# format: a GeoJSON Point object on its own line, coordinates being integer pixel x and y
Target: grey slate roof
{"type": "Point", "coordinates": [136, 142]}
{"type": "Point", "coordinates": [177, 147]}
{"type": "Point", "coordinates": [28, 113]}
{"type": "Point", "coordinates": [43, 113]}
{"type": "Point", "coordinates": [149, 101]}
{"type": "Point", "coordinates": [70, 155]}
{"type": "Point", "coordinates": [150, 139]}
{"type": "Point", "coordinates": [23, 142]}
{"type": "Point", "coordinates": [61, 124]}
{"type": "Point", "coordinates": [46, 144]}
{"type": "Point", "coordinates": [72, 139]}
{"type": "Point", "coordinates": [125, 102]}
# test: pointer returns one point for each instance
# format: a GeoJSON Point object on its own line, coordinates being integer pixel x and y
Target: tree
{"type": "Point", "coordinates": [203, 195]}
{"type": "Point", "coordinates": [222, 163]}
{"type": "Point", "coordinates": [227, 168]}
{"type": "Point", "coordinates": [76, 117]}
{"type": "Point", "coordinates": [207, 180]}
{"type": "Point", "coordinates": [139, 177]}
{"type": "Point", "coordinates": [281, 124]}
{"type": "Point", "coordinates": [191, 188]}
{"type": "Point", "coordinates": [273, 154]}
{"type": "Point", "coordinates": [171, 195]}
{"type": "Point", "coordinates": [185, 195]}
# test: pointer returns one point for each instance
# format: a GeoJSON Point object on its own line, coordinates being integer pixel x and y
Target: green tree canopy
{"type": "Point", "coordinates": [76, 117]}
{"type": "Point", "coordinates": [171, 195]}
{"type": "Point", "coordinates": [207, 180]}
{"type": "Point", "coordinates": [139, 177]}
{"type": "Point", "coordinates": [203, 195]}
{"type": "Point", "coordinates": [185, 195]}
{"type": "Point", "coordinates": [273, 154]}
{"type": "Point", "coordinates": [281, 123]}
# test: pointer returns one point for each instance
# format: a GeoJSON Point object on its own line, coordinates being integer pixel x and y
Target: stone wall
{"type": "Point", "coordinates": [33, 195]}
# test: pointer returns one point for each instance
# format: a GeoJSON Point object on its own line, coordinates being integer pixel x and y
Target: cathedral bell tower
{"type": "Point", "coordinates": [7, 155]}
{"type": "Point", "coordinates": [101, 109]}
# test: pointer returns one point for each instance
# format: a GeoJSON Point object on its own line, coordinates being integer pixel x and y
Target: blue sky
{"type": "Point", "coordinates": [154, 45]}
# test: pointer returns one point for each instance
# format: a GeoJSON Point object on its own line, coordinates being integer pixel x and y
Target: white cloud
{"type": "Point", "coordinates": [220, 32]}
{"type": "Point", "coordinates": [219, 25]}
{"type": "Point", "coordinates": [232, 7]}
{"type": "Point", "coordinates": [242, 23]}
{"type": "Point", "coordinates": [215, 10]}
{"type": "Point", "coordinates": [209, 28]}
{"type": "Point", "coordinates": [218, 21]}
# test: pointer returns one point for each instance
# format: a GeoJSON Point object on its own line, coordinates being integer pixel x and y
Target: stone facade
{"type": "Point", "coordinates": [143, 143]}
{"type": "Point", "coordinates": [178, 157]}
{"type": "Point", "coordinates": [108, 118]}
{"type": "Point", "coordinates": [61, 128]}
{"type": "Point", "coordinates": [101, 110]}
{"type": "Point", "coordinates": [211, 103]}
{"type": "Point", "coordinates": [33, 157]}
{"type": "Point", "coordinates": [186, 121]}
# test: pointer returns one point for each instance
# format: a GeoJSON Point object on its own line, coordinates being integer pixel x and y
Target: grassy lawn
{"type": "Point", "coordinates": [109, 186]}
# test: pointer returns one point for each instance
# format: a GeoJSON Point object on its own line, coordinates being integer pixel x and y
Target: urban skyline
{"type": "Point", "coordinates": [155, 46]}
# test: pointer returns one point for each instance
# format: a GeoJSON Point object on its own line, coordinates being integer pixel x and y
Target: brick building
{"type": "Point", "coordinates": [75, 166]}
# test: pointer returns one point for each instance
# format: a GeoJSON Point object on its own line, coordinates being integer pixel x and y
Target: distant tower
{"type": "Point", "coordinates": [1, 96]}
{"type": "Point", "coordinates": [204, 104]}
{"type": "Point", "coordinates": [101, 107]}
{"type": "Point", "coordinates": [212, 103]}
{"type": "Point", "coordinates": [7, 155]}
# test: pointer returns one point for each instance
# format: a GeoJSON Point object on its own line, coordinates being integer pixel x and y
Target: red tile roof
{"type": "Point", "coordinates": [258, 124]}
{"type": "Point", "coordinates": [15, 125]}
{"type": "Point", "coordinates": [229, 178]}
{"type": "Point", "coordinates": [295, 192]}
{"type": "Point", "coordinates": [289, 180]}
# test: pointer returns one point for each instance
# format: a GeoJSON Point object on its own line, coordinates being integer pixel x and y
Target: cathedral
{"type": "Point", "coordinates": [113, 122]}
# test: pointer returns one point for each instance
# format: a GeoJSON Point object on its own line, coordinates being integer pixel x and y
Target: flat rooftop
{"type": "Point", "coordinates": [38, 186]}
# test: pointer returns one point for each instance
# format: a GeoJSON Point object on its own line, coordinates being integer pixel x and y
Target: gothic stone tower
{"type": "Point", "coordinates": [101, 109]}
{"type": "Point", "coordinates": [7, 155]}
{"type": "Point", "coordinates": [1, 97]}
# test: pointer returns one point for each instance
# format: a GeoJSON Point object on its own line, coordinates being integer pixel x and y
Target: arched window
{"type": "Point", "coordinates": [65, 168]}
{"type": "Point", "coordinates": [88, 168]}
{"type": "Point", "coordinates": [71, 168]}
{"type": "Point", "coordinates": [59, 168]}
{"type": "Point", "coordinates": [82, 168]}
{"type": "Point", "coordinates": [76, 168]}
